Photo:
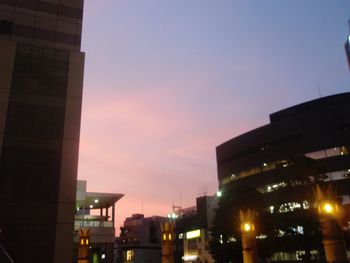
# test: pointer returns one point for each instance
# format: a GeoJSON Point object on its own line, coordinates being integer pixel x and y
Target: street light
{"type": "Point", "coordinates": [249, 249]}
{"type": "Point", "coordinates": [328, 208]}
{"type": "Point", "coordinates": [247, 227]}
{"type": "Point", "coordinates": [329, 217]}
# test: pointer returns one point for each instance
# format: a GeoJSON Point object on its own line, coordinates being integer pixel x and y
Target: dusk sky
{"type": "Point", "coordinates": [166, 81]}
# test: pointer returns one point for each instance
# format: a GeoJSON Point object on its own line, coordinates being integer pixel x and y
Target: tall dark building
{"type": "Point", "coordinates": [41, 78]}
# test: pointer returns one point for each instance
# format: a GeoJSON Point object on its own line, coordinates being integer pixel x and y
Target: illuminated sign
{"type": "Point", "coordinates": [193, 234]}
{"type": "Point", "coordinates": [190, 257]}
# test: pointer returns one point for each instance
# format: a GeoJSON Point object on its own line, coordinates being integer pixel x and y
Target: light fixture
{"type": "Point", "coordinates": [328, 208]}
{"type": "Point", "coordinates": [247, 227]}
{"type": "Point", "coordinates": [91, 206]}
{"type": "Point", "coordinates": [96, 201]}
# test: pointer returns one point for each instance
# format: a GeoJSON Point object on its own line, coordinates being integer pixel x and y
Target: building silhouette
{"type": "Point", "coordinates": [302, 146]}
{"type": "Point", "coordinates": [140, 240]}
{"type": "Point", "coordinates": [192, 227]}
{"type": "Point", "coordinates": [41, 78]}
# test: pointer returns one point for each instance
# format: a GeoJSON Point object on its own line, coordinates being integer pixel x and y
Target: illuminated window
{"type": "Point", "coordinates": [87, 241]}
{"type": "Point", "coordinates": [326, 153]}
{"type": "Point", "coordinates": [169, 236]}
{"type": "Point", "coordinates": [164, 236]}
{"type": "Point", "coordinates": [129, 255]}
{"type": "Point", "coordinates": [82, 241]}
{"type": "Point", "coordinates": [193, 234]}
{"type": "Point", "coordinates": [274, 187]}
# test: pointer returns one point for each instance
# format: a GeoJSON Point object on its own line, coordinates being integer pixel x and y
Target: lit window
{"type": "Point", "coordinates": [129, 255]}
{"type": "Point", "coordinates": [193, 234]}
{"type": "Point", "coordinates": [164, 236]}
{"type": "Point", "coordinates": [82, 241]}
{"type": "Point", "coordinates": [87, 241]}
{"type": "Point", "coordinates": [169, 236]}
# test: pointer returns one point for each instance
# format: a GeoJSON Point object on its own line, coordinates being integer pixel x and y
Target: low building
{"type": "Point", "coordinates": [139, 240]}
{"type": "Point", "coordinates": [96, 211]}
{"type": "Point", "coordinates": [193, 231]}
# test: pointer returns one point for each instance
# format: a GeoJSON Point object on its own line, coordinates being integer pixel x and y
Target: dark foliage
{"type": "Point", "coordinates": [225, 245]}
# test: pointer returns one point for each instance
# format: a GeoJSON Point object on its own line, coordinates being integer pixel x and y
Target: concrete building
{"type": "Point", "coordinates": [96, 211]}
{"type": "Point", "coordinates": [140, 240]}
{"type": "Point", "coordinates": [193, 231]}
{"type": "Point", "coordinates": [301, 146]}
{"type": "Point", "coordinates": [41, 79]}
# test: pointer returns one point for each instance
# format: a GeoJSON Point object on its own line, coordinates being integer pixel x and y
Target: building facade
{"type": "Point", "coordinates": [302, 146]}
{"type": "Point", "coordinates": [96, 212]}
{"type": "Point", "coordinates": [41, 79]}
{"type": "Point", "coordinates": [192, 227]}
{"type": "Point", "coordinates": [140, 240]}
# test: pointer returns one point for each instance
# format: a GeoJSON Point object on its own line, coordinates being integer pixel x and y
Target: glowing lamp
{"type": "Point", "coordinates": [247, 227]}
{"type": "Point", "coordinates": [328, 208]}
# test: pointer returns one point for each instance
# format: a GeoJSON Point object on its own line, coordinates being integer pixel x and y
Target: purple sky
{"type": "Point", "coordinates": [168, 81]}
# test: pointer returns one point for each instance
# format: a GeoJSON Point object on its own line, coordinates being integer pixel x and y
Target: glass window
{"type": "Point", "coordinates": [5, 27]}
{"type": "Point", "coordinates": [129, 255]}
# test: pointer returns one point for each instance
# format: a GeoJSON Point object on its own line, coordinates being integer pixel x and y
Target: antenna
{"type": "Point", "coordinates": [319, 90]}
{"type": "Point", "coordinates": [180, 199]}
{"type": "Point", "coordinates": [142, 206]}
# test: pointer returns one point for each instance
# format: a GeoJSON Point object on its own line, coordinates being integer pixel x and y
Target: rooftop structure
{"type": "Point", "coordinates": [96, 211]}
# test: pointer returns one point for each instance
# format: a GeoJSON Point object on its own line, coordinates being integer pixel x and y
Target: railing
{"type": "Point", "coordinates": [92, 224]}
{"type": "Point", "coordinates": [5, 256]}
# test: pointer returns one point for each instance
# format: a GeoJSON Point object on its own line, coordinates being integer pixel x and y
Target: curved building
{"type": "Point", "coordinates": [301, 145]}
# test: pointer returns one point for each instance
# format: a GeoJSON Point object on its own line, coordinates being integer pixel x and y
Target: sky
{"type": "Point", "coordinates": [166, 81]}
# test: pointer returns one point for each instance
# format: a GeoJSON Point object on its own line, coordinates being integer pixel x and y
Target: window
{"type": "Point", "coordinates": [5, 27]}
{"type": "Point", "coordinates": [129, 255]}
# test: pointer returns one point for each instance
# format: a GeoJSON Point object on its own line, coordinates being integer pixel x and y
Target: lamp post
{"type": "Point", "coordinates": [248, 236]}
{"type": "Point", "coordinates": [168, 241]}
{"type": "Point", "coordinates": [84, 244]}
{"type": "Point", "coordinates": [329, 215]}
